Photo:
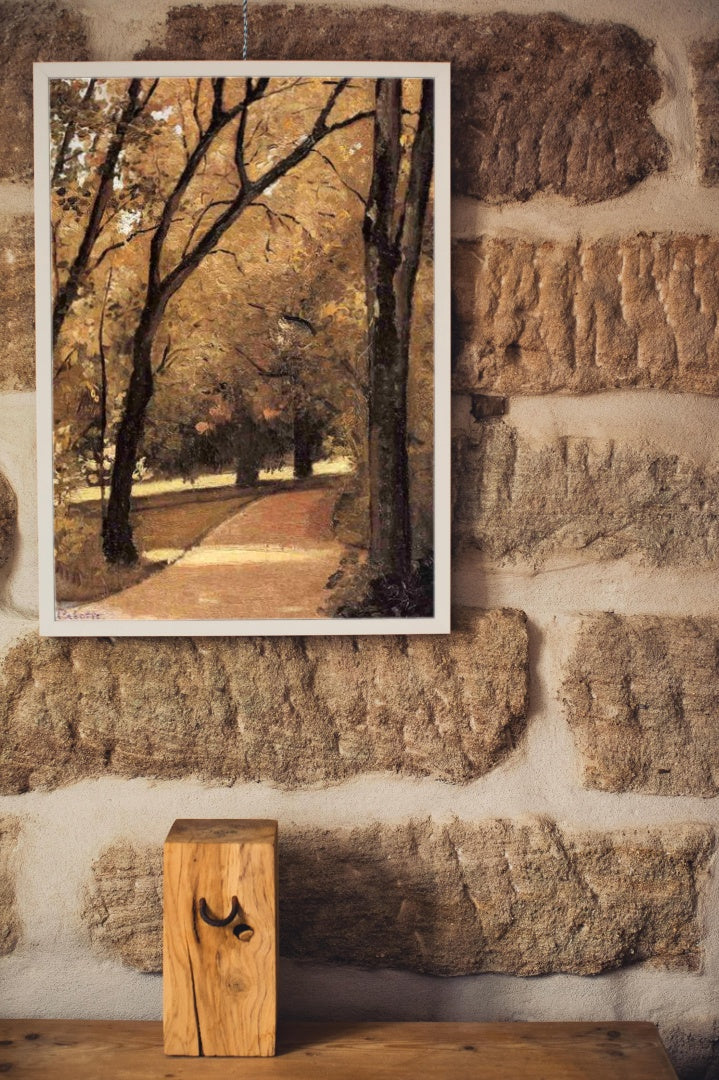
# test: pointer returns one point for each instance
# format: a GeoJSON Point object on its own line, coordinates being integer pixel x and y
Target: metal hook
{"type": "Point", "coordinates": [206, 917]}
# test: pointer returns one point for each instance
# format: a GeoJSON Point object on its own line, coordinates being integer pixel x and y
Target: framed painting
{"type": "Point", "coordinates": [243, 348]}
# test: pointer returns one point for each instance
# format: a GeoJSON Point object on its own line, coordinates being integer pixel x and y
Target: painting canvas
{"type": "Point", "coordinates": [243, 348]}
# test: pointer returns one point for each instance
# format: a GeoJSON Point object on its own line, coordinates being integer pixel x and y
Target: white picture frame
{"type": "Point", "coordinates": [82, 620]}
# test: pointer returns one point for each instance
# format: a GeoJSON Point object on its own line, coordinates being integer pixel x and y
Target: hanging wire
{"type": "Point", "coordinates": [245, 23]}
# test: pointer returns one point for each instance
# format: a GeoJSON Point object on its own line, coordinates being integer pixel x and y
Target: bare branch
{"type": "Point", "coordinates": [341, 179]}
{"type": "Point", "coordinates": [55, 268]}
{"type": "Point", "coordinates": [240, 140]}
{"type": "Point", "coordinates": [218, 86]}
{"type": "Point", "coordinates": [149, 94]}
{"type": "Point", "coordinates": [115, 212]}
{"type": "Point", "coordinates": [65, 364]}
{"type": "Point", "coordinates": [120, 244]}
{"type": "Point", "coordinates": [348, 121]}
{"type": "Point", "coordinates": [183, 135]}
{"type": "Point", "coordinates": [345, 365]}
{"type": "Point", "coordinates": [280, 214]}
{"type": "Point", "coordinates": [259, 89]}
{"type": "Point", "coordinates": [103, 393]}
{"type": "Point", "coordinates": [200, 218]}
{"type": "Point", "coordinates": [298, 320]}
{"type": "Point", "coordinates": [168, 285]}
{"type": "Point", "coordinates": [196, 108]}
{"type": "Point", "coordinates": [164, 362]}
{"type": "Point", "coordinates": [263, 371]}
{"type": "Point", "coordinates": [329, 105]}
{"type": "Point", "coordinates": [226, 251]}
{"type": "Point", "coordinates": [253, 92]}
{"type": "Point", "coordinates": [220, 120]}
{"type": "Point", "coordinates": [299, 81]}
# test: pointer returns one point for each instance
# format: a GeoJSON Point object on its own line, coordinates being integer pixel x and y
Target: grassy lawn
{"type": "Point", "coordinates": [164, 525]}
{"type": "Point", "coordinates": [338, 466]}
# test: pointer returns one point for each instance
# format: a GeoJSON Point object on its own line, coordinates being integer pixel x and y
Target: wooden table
{"type": "Point", "coordinates": [119, 1050]}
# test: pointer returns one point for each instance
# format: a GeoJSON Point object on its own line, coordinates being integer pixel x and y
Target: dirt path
{"type": "Point", "coordinates": [270, 560]}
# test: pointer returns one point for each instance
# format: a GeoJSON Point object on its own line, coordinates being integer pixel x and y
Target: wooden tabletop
{"type": "Point", "coordinates": [119, 1050]}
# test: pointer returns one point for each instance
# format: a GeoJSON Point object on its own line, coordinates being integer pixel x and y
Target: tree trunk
{"type": "Point", "coordinates": [304, 444]}
{"type": "Point", "coordinates": [249, 455]}
{"type": "Point", "coordinates": [393, 238]}
{"type": "Point", "coordinates": [118, 545]}
{"type": "Point", "coordinates": [247, 474]}
{"type": "Point", "coordinates": [103, 398]}
{"type": "Point", "coordinates": [390, 531]}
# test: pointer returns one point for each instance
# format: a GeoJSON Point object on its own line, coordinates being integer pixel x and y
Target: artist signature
{"type": "Point", "coordinates": [79, 615]}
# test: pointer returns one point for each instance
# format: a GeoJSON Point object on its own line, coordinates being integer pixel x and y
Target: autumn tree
{"type": "Point", "coordinates": [271, 331]}
{"type": "Point", "coordinates": [164, 280]}
{"type": "Point", "coordinates": [301, 394]}
{"type": "Point", "coordinates": [392, 229]}
{"type": "Point", "coordinates": [93, 161]}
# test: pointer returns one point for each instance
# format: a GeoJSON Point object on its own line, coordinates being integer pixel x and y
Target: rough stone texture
{"type": "Point", "coordinates": [694, 1049]}
{"type": "Point", "coordinates": [123, 905]}
{"type": "Point", "coordinates": [29, 33]}
{"type": "Point", "coordinates": [8, 520]}
{"type": "Point", "coordinates": [9, 919]}
{"type": "Point", "coordinates": [539, 102]}
{"type": "Point", "coordinates": [640, 311]}
{"type": "Point", "coordinates": [642, 697]}
{"type": "Point", "coordinates": [17, 304]}
{"type": "Point", "coordinates": [705, 59]}
{"type": "Point", "coordinates": [604, 499]}
{"type": "Point", "coordinates": [291, 711]}
{"type": "Point", "coordinates": [519, 897]}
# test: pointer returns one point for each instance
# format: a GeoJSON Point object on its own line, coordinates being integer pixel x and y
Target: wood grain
{"type": "Point", "coordinates": [86, 1050]}
{"type": "Point", "coordinates": [220, 989]}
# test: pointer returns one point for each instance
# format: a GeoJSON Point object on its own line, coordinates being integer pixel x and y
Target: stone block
{"type": "Point", "coordinates": [642, 699]}
{"type": "Point", "coordinates": [540, 317]}
{"type": "Point", "coordinates": [705, 63]}
{"type": "Point", "coordinates": [8, 520]}
{"type": "Point", "coordinates": [17, 304]}
{"type": "Point", "coordinates": [523, 501]}
{"type": "Point", "coordinates": [9, 917]}
{"type": "Point", "coordinates": [290, 711]}
{"type": "Point", "coordinates": [540, 103]}
{"type": "Point", "coordinates": [522, 897]}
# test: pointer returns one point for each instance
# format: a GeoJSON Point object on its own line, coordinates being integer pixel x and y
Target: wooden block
{"type": "Point", "coordinates": [220, 982]}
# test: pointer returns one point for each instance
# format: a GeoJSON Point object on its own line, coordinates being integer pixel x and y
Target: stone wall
{"type": "Point", "coordinates": [535, 794]}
